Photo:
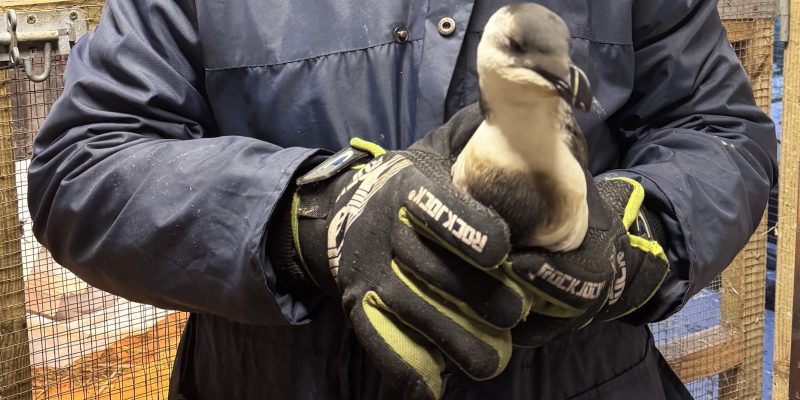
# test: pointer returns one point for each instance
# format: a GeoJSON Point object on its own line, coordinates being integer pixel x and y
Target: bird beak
{"type": "Point", "coordinates": [577, 92]}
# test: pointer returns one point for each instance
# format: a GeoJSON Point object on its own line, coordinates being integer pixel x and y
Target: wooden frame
{"type": "Point", "coordinates": [733, 350]}
{"type": "Point", "coordinates": [15, 364]}
{"type": "Point", "coordinates": [785, 363]}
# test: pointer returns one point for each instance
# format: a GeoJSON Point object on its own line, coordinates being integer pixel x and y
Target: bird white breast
{"type": "Point", "coordinates": [532, 138]}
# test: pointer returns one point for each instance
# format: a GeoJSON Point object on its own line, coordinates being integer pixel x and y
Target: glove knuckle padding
{"type": "Point", "coordinates": [616, 193]}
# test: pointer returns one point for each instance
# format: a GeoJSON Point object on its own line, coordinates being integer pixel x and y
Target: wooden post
{"type": "Point", "coordinates": [702, 354]}
{"type": "Point", "coordinates": [15, 368]}
{"type": "Point", "coordinates": [786, 293]}
{"type": "Point", "coordinates": [743, 282]}
{"type": "Point", "coordinates": [742, 308]}
{"type": "Point", "coordinates": [794, 354]}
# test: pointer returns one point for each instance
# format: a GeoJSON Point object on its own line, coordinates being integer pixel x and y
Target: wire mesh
{"type": "Point", "coordinates": [82, 343]}
{"type": "Point", "coordinates": [63, 339]}
{"type": "Point", "coordinates": [715, 342]}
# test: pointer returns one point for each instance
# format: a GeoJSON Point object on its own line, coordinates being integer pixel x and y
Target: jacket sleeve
{"type": "Point", "coordinates": [132, 187]}
{"type": "Point", "coordinates": [693, 136]}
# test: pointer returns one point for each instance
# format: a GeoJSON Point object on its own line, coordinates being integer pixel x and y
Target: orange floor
{"type": "Point", "coordinates": [137, 367]}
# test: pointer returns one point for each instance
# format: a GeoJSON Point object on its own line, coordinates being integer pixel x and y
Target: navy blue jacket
{"type": "Point", "coordinates": [182, 123]}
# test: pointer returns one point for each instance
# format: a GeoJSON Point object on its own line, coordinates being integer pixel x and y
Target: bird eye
{"type": "Point", "coordinates": [515, 46]}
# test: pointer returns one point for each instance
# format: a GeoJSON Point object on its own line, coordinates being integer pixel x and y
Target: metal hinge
{"type": "Point", "coordinates": [39, 34]}
{"type": "Point", "coordinates": [783, 16]}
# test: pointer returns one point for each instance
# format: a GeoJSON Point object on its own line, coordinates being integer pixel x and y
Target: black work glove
{"type": "Point", "coordinates": [415, 262]}
{"type": "Point", "coordinates": [449, 139]}
{"type": "Point", "coordinates": [617, 269]}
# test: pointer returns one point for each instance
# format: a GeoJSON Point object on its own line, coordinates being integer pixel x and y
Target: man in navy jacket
{"type": "Point", "coordinates": [168, 165]}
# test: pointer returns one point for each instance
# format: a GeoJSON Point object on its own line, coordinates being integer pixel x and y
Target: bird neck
{"type": "Point", "coordinates": [528, 132]}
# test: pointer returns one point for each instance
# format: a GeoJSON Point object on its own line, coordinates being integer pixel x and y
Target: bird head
{"type": "Point", "coordinates": [524, 56]}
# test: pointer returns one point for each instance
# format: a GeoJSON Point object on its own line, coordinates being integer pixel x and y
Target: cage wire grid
{"type": "Point", "coordinates": [63, 339]}
{"type": "Point", "coordinates": [715, 343]}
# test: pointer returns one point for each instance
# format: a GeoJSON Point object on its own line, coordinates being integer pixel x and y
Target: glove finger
{"type": "Point", "coordinates": [410, 361]}
{"type": "Point", "coordinates": [564, 284]}
{"type": "Point", "coordinates": [476, 239]}
{"type": "Point", "coordinates": [602, 215]}
{"type": "Point", "coordinates": [479, 350]}
{"type": "Point", "coordinates": [450, 218]}
{"type": "Point", "coordinates": [489, 296]}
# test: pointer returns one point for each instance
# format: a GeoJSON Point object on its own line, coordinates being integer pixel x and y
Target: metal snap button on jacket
{"type": "Point", "coordinates": [400, 34]}
{"type": "Point", "coordinates": [446, 26]}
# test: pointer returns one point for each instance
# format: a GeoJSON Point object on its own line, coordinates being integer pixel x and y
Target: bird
{"type": "Point", "coordinates": [528, 157]}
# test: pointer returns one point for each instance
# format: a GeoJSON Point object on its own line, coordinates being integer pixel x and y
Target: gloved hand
{"type": "Point", "coordinates": [617, 269]}
{"type": "Point", "coordinates": [415, 262]}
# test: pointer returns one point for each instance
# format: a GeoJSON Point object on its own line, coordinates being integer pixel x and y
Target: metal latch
{"type": "Point", "coordinates": [39, 34]}
{"type": "Point", "coordinates": [783, 14]}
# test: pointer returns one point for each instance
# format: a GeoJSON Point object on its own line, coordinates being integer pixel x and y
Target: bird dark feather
{"type": "Point", "coordinates": [527, 209]}
{"type": "Point", "coordinates": [576, 141]}
{"type": "Point", "coordinates": [486, 111]}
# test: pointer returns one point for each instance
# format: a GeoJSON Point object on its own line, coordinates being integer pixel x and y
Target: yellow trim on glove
{"type": "Point", "coordinates": [631, 213]}
{"type": "Point", "coordinates": [648, 246]}
{"type": "Point", "coordinates": [407, 344]}
{"type": "Point", "coordinates": [375, 149]}
{"type": "Point", "coordinates": [464, 307]}
{"type": "Point", "coordinates": [409, 220]}
{"type": "Point", "coordinates": [498, 340]}
{"type": "Point", "coordinates": [634, 201]}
